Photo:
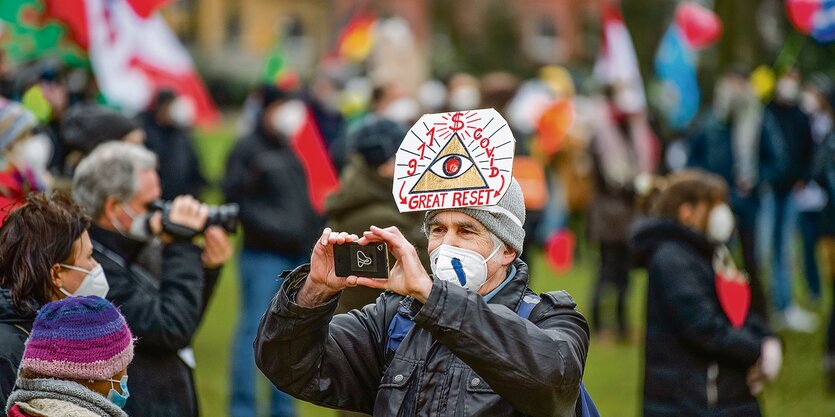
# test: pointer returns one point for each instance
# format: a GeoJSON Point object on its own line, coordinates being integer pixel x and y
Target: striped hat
{"type": "Point", "coordinates": [78, 338]}
{"type": "Point", "coordinates": [15, 120]}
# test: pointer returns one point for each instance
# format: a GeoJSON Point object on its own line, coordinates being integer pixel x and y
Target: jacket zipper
{"type": "Point", "coordinates": [712, 389]}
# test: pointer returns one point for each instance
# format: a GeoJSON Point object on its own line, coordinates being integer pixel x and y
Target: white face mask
{"type": "Point", "coordinates": [138, 230]}
{"type": "Point", "coordinates": [95, 283]}
{"type": "Point", "coordinates": [788, 89]}
{"type": "Point", "coordinates": [182, 112]}
{"type": "Point", "coordinates": [34, 152]}
{"type": "Point", "coordinates": [462, 267]}
{"type": "Point", "coordinates": [720, 224]}
{"type": "Point", "coordinates": [809, 102]}
{"type": "Point", "coordinates": [289, 118]}
{"type": "Point", "coordinates": [464, 98]}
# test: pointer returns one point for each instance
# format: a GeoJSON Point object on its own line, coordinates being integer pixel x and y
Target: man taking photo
{"type": "Point", "coordinates": [473, 349]}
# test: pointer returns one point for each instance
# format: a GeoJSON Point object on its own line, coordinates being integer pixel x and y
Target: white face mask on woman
{"type": "Point", "coordinates": [460, 266]}
{"type": "Point", "coordinates": [95, 283]}
{"type": "Point", "coordinates": [720, 223]}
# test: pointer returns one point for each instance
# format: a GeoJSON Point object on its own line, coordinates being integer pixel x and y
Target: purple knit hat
{"type": "Point", "coordinates": [78, 338]}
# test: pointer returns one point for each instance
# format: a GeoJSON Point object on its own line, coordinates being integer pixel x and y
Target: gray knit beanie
{"type": "Point", "coordinates": [498, 222]}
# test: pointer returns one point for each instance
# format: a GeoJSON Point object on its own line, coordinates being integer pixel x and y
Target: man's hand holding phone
{"type": "Point", "coordinates": [322, 283]}
{"type": "Point", "coordinates": [407, 277]}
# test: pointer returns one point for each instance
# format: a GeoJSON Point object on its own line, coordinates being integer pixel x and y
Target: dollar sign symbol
{"type": "Point", "coordinates": [457, 124]}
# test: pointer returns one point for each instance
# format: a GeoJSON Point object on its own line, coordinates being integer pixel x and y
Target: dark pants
{"type": "Point", "coordinates": [614, 270]}
{"type": "Point", "coordinates": [809, 225]}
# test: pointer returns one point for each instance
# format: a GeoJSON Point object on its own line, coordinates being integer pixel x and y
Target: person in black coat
{"type": "Point", "coordinates": [785, 165]}
{"type": "Point", "coordinates": [166, 126]}
{"type": "Point", "coordinates": [268, 181]}
{"type": "Point", "coordinates": [164, 303]}
{"type": "Point", "coordinates": [697, 361]}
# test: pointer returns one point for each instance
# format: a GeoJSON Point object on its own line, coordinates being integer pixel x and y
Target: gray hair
{"type": "Point", "coordinates": [112, 169]}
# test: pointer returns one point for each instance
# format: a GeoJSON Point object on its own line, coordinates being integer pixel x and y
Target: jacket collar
{"type": "Point", "coordinates": [511, 295]}
{"type": "Point", "coordinates": [126, 248]}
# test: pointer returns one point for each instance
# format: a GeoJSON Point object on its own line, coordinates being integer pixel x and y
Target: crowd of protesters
{"type": "Point", "coordinates": [78, 185]}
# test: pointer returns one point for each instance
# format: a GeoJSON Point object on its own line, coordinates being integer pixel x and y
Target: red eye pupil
{"type": "Point", "coordinates": [452, 165]}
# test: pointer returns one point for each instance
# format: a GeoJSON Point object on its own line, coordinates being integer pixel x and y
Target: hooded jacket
{"type": "Point", "coordinates": [464, 356]}
{"type": "Point", "coordinates": [695, 360]}
{"type": "Point", "coordinates": [14, 329]}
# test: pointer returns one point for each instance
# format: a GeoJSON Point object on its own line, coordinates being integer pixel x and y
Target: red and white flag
{"type": "Point", "coordinates": [298, 124]}
{"type": "Point", "coordinates": [617, 64]}
{"type": "Point", "coordinates": [133, 52]}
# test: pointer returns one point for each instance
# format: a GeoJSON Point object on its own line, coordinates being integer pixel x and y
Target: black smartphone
{"type": "Point", "coordinates": [371, 261]}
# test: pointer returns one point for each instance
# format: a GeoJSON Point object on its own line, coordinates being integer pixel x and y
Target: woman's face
{"type": "Point", "coordinates": [695, 216]}
{"type": "Point", "coordinates": [81, 257]}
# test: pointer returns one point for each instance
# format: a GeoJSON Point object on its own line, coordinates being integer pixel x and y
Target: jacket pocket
{"type": "Point", "coordinates": [397, 390]}
{"type": "Point", "coordinates": [479, 399]}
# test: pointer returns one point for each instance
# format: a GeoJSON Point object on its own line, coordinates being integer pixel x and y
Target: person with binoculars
{"type": "Point", "coordinates": [158, 277]}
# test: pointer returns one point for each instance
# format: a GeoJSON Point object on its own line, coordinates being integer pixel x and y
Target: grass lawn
{"type": "Point", "coordinates": [613, 371]}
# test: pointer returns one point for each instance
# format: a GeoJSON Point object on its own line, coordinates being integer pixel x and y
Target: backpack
{"type": "Point", "coordinates": [400, 326]}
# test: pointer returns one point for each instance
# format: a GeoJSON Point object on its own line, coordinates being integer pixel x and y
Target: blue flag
{"type": "Point", "coordinates": [675, 68]}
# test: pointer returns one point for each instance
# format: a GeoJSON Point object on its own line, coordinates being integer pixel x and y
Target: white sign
{"type": "Point", "coordinates": [456, 159]}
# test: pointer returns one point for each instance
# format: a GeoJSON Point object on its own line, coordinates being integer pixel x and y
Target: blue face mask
{"type": "Point", "coordinates": [114, 396]}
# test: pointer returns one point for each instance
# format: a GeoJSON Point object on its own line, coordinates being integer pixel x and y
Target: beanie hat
{"type": "Point", "coordinates": [504, 220]}
{"type": "Point", "coordinates": [88, 126]}
{"type": "Point", "coordinates": [15, 120]}
{"type": "Point", "coordinates": [377, 139]}
{"type": "Point", "coordinates": [78, 338]}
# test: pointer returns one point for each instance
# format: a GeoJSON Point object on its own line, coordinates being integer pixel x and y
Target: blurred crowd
{"type": "Point", "coordinates": [588, 160]}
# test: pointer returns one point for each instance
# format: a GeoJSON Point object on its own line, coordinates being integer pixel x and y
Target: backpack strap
{"type": "Point", "coordinates": [401, 324]}
{"type": "Point", "coordinates": [399, 327]}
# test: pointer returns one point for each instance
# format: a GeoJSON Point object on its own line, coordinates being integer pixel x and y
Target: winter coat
{"type": "Point", "coordinates": [267, 180]}
{"type": "Point", "coordinates": [364, 199]}
{"type": "Point", "coordinates": [59, 398]}
{"type": "Point", "coordinates": [14, 329]}
{"type": "Point", "coordinates": [179, 169]}
{"type": "Point", "coordinates": [464, 356]}
{"type": "Point", "coordinates": [695, 360]}
{"type": "Point", "coordinates": [163, 312]}
{"type": "Point", "coordinates": [786, 147]}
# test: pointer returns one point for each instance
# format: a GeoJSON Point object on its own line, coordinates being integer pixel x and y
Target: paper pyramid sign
{"type": "Point", "coordinates": [456, 159]}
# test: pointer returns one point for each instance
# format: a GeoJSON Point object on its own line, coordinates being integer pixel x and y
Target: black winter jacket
{"type": "Point", "coordinates": [695, 360]}
{"type": "Point", "coordinates": [268, 181]}
{"type": "Point", "coordinates": [163, 312]}
{"type": "Point", "coordinates": [14, 329]}
{"type": "Point", "coordinates": [463, 357]}
{"type": "Point", "coordinates": [178, 168]}
{"type": "Point", "coordinates": [786, 147]}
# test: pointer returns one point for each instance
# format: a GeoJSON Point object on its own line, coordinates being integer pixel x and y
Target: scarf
{"type": "Point", "coordinates": [57, 389]}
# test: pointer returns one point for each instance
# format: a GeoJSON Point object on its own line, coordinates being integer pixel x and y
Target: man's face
{"type": "Point", "coordinates": [462, 231]}
{"type": "Point", "coordinates": [149, 191]}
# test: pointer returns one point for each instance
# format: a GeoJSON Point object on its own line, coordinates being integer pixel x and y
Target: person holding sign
{"type": "Point", "coordinates": [468, 337]}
